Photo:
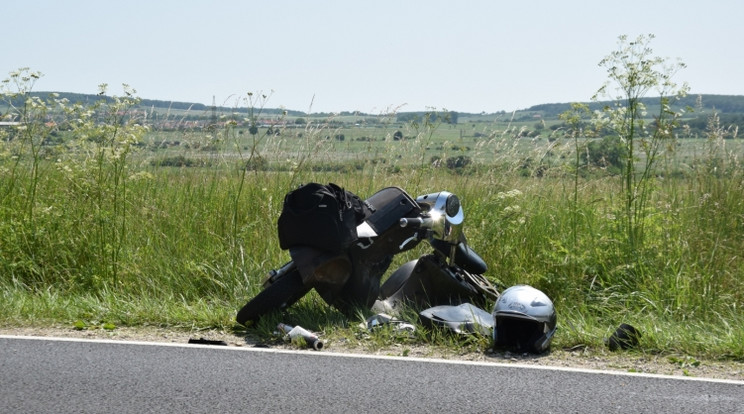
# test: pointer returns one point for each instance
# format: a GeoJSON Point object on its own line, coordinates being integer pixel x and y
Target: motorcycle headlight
{"type": "Point", "coordinates": [452, 205]}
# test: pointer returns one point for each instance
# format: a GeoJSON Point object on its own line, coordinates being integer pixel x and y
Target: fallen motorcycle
{"type": "Point", "coordinates": [346, 267]}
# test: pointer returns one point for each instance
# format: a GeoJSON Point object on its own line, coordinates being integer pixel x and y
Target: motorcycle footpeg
{"type": "Point", "coordinates": [275, 274]}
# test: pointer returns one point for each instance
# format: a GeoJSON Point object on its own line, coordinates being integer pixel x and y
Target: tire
{"type": "Point", "coordinates": [281, 294]}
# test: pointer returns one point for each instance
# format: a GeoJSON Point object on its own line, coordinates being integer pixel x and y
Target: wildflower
{"type": "Point", "coordinates": [509, 194]}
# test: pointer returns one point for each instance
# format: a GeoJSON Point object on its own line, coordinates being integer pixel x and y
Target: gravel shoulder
{"type": "Point", "coordinates": [581, 358]}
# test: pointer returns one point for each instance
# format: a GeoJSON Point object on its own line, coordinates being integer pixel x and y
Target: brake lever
{"type": "Point", "coordinates": [421, 234]}
{"type": "Point", "coordinates": [422, 226]}
{"type": "Point", "coordinates": [408, 240]}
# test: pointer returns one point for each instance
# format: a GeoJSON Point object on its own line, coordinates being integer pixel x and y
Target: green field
{"type": "Point", "coordinates": [487, 145]}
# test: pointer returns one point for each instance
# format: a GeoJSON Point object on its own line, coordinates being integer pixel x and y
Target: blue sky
{"type": "Point", "coordinates": [373, 56]}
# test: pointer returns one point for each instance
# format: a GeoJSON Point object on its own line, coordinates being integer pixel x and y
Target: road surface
{"type": "Point", "coordinates": [39, 375]}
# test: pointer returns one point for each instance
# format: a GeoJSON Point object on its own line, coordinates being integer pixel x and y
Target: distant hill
{"type": "Point", "coordinates": [732, 105]}
{"type": "Point", "coordinates": [723, 104]}
{"type": "Point", "coordinates": [163, 105]}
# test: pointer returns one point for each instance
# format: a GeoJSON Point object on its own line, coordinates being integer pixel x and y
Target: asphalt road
{"type": "Point", "coordinates": [61, 376]}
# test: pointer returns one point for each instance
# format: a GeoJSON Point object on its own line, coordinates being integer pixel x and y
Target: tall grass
{"type": "Point", "coordinates": [192, 243]}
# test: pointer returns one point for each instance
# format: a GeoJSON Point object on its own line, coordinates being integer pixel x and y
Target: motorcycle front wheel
{"type": "Point", "coordinates": [284, 292]}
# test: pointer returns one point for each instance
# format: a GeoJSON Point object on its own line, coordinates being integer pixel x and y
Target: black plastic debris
{"type": "Point", "coordinates": [625, 337]}
{"type": "Point", "coordinates": [203, 341]}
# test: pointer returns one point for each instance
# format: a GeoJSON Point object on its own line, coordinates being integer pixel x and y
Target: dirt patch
{"type": "Point", "coordinates": [580, 357]}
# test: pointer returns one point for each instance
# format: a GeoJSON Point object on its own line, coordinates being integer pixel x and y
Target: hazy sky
{"type": "Point", "coordinates": [371, 56]}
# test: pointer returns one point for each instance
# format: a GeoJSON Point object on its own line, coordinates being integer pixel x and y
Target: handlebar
{"type": "Point", "coordinates": [417, 222]}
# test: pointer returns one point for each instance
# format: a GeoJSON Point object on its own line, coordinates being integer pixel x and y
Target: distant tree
{"type": "Point", "coordinates": [458, 162]}
{"type": "Point", "coordinates": [608, 153]}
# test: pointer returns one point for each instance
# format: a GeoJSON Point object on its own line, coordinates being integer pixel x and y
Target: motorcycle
{"type": "Point", "coordinates": [393, 222]}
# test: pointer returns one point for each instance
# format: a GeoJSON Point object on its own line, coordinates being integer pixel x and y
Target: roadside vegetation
{"type": "Point", "coordinates": [623, 210]}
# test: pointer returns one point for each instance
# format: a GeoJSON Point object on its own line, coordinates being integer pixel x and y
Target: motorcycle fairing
{"type": "Point", "coordinates": [427, 282]}
{"type": "Point", "coordinates": [462, 319]}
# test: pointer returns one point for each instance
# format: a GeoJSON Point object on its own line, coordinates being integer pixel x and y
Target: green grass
{"type": "Point", "coordinates": [187, 246]}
